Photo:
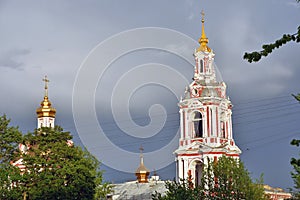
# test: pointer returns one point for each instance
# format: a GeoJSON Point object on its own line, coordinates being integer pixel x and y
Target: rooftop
{"type": "Point", "coordinates": [137, 191]}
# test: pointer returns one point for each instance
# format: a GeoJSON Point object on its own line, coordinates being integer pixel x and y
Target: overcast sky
{"type": "Point", "coordinates": [57, 38]}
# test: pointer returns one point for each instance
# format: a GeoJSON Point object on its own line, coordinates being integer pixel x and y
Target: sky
{"type": "Point", "coordinates": [117, 70]}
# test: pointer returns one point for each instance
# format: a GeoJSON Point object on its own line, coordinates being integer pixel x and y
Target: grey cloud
{"type": "Point", "coordinates": [11, 59]}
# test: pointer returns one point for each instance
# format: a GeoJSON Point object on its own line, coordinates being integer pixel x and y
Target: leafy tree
{"type": "Point", "coordinates": [179, 190]}
{"type": "Point", "coordinates": [54, 169]}
{"type": "Point", "coordinates": [9, 141]}
{"type": "Point", "coordinates": [102, 189]}
{"type": "Point", "coordinates": [296, 174]}
{"type": "Point", "coordinates": [268, 48]}
{"type": "Point", "coordinates": [225, 179]}
{"type": "Point", "coordinates": [230, 180]}
{"type": "Point", "coordinates": [10, 137]}
{"type": "Point", "coordinates": [296, 163]}
{"type": "Point", "coordinates": [8, 176]}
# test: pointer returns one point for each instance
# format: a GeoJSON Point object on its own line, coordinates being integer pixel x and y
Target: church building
{"type": "Point", "coordinates": [205, 118]}
{"type": "Point", "coordinates": [45, 118]}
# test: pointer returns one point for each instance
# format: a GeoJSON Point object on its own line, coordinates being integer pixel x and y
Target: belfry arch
{"type": "Point", "coordinates": [198, 171]}
{"type": "Point", "coordinates": [197, 123]}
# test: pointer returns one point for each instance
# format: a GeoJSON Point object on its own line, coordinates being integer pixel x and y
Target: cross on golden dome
{"type": "Point", "coordinates": [46, 80]}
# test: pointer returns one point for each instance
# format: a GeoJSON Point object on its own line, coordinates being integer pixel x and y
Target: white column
{"type": "Point", "coordinates": [181, 124]}
{"type": "Point", "coordinates": [177, 166]}
{"type": "Point", "coordinates": [187, 131]}
{"type": "Point", "coordinates": [218, 124]}
{"type": "Point", "coordinates": [213, 122]}
{"type": "Point", "coordinates": [204, 122]}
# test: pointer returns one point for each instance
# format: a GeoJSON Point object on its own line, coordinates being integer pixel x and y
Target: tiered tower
{"type": "Point", "coordinates": [205, 118]}
{"type": "Point", "coordinates": [45, 113]}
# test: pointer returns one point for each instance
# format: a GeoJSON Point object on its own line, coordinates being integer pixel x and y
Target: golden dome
{"type": "Point", "coordinates": [203, 40]}
{"type": "Point", "coordinates": [45, 110]}
{"type": "Point", "coordinates": [142, 168]}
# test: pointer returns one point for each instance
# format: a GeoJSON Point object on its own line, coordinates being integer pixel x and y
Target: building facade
{"type": "Point", "coordinates": [205, 118]}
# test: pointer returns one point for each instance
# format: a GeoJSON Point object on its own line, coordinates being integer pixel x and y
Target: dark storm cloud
{"type": "Point", "coordinates": [11, 59]}
{"type": "Point", "coordinates": [58, 35]}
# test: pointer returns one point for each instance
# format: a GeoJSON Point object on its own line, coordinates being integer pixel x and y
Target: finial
{"type": "Point", "coordinates": [46, 80]}
{"type": "Point", "coordinates": [203, 40]}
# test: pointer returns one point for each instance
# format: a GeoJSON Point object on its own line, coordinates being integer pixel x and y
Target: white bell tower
{"type": "Point", "coordinates": [205, 118]}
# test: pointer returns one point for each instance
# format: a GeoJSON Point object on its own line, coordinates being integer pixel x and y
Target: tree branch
{"type": "Point", "coordinates": [268, 48]}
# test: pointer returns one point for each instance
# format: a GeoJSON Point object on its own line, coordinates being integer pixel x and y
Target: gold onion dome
{"type": "Point", "coordinates": [203, 40]}
{"type": "Point", "coordinates": [46, 110]}
{"type": "Point", "coordinates": [142, 168]}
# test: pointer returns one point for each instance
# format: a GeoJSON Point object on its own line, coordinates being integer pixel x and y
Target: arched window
{"type": "Point", "coordinates": [201, 66]}
{"type": "Point", "coordinates": [222, 129]}
{"type": "Point", "coordinates": [198, 173]}
{"type": "Point", "coordinates": [223, 125]}
{"type": "Point", "coordinates": [198, 125]}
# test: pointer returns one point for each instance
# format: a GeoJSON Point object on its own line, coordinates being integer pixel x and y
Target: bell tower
{"type": "Point", "coordinates": [45, 113]}
{"type": "Point", "coordinates": [205, 118]}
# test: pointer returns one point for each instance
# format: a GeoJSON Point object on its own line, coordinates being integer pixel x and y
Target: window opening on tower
{"type": "Point", "coordinates": [198, 125]}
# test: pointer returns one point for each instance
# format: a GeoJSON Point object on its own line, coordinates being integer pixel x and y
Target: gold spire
{"type": "Point", "coordinates": [203, 40]}
{"type": "Point", "coordinates": [142, 172]}
{"type": "Point", "coordinates": [46, 110]}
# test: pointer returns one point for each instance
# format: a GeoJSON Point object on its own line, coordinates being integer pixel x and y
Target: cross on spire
{"type": "Point", "coordinates": [141, 149]}
{"type": "Point", "coordinates": [46, 80]}
{"type": "Point", "coordinates": [141, 154]}
{"type": "Point", "coordinates": [203, 14]}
